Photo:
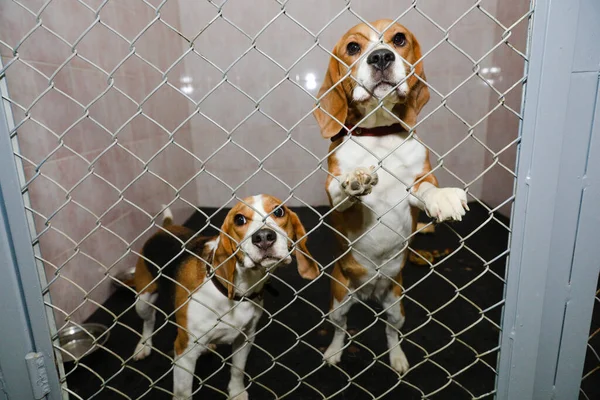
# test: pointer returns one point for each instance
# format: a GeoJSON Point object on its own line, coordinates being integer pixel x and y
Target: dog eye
{"type": "Point", "coordinates": [279, 212]}
{"type": "Point", "coordinates": [399, 39]}
{"type": "Point", "coordinates": [239, 220]}
{"type": "Point", "coordinates": [352, 48]}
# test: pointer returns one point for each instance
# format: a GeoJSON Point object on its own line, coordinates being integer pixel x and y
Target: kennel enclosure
{"type": "Point", "coordinates": [545, 294]}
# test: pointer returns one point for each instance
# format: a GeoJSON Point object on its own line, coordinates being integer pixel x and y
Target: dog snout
{"type": "Point", "coordinates": [264, 238]}
{"type": "Point", "coordinates": [381, 59]}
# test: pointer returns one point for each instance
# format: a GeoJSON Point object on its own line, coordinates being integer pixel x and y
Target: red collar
{"type": "Point", "coordinates": [376, 131]}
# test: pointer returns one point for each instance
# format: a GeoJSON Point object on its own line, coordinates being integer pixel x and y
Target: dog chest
{"type": "Point", "coordinates": [221, 319]}
{"type": "Point", "coordinates": [386, 214]}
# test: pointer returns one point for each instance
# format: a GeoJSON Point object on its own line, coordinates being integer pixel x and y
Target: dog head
{"type": "Point", "coordinates": [261, 233]}
{"type": "Point", "coordinates": [370, 67]}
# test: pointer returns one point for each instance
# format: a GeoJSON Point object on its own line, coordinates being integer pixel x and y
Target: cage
{"type": "Point", "coordinates": [119, 112]}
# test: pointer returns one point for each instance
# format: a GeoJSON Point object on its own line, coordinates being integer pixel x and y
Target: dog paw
{"type": "Point", "coordinates": [398, 361]}
{"type": "Point", "coordinates": [360, 182]}
{"type": "Point", "coordinates": [446, 203]}
{"type": "Point", "coordinates": [239, 396]}
{"type": "Point", "coordinates": [142, 350]}
{"type": "Point", "coordinates": [333, 355]}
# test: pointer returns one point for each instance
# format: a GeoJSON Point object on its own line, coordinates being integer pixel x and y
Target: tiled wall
{"type": "Point", "coordinates": [85, 224]}
{"type": "Point", "coordinates": [502, 126]}
{"type": "Point", "coordinates": [285, 41]}
{"type": "Point", "coordinates": [82, 179]}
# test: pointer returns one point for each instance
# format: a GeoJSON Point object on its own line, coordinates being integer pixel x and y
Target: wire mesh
{"type": "Point", "coordinates": [589, 387]}
{"type": "Point", "coordinates": [73, 228]}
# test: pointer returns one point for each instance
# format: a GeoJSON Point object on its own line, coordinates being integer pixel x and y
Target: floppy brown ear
{"type": "Point", "coordinates": [334, 102]}
{"type": "Point", "coordinates": [224, 263]}
{"type": "Point", "coordinates": [307, 267]}
{"type": "Point", "coordinates": [419, 92]}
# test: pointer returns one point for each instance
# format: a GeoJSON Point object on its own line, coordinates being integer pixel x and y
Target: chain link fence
{"type": "Point", "coordinates": [589, 387]}
{"type": "Point", "coordinates": [118, 109]}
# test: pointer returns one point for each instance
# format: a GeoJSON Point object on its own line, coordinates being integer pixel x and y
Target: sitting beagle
{"type": "Point", "coordinates": [217, 283]}
{"type": "Point", "coordinates": [379, 171]}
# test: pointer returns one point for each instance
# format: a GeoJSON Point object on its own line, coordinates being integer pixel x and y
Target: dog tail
{"type": "Point", "coordinates": [167, 216]}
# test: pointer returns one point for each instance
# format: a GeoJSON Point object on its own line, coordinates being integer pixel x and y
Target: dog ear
{"type": "Point", "coordinates": [335, 102]}
{"type": "Point", "coordinates": [307, 267]}
{"type": "Point", "coordinates": [418, 95]}
{"type": "Point", "coordinates": [224, 263]}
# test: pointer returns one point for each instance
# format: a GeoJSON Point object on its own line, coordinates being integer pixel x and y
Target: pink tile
{"type": "Point", "coordinates": [103, 48]}
{"type": "Point", "coordinates": [118, 166]}
{"type": "Point", "coordinates": [194, 16]}
{"type": "Point", "coordinates": [117, 110]}
{"type": "Point", "coordinates": [56, 112]}
{"type": "Point", "coordinates": [133, 227]}
{"type": "Point", "coordinates": [86, 86]}
{"type": "Point", "coordinates": [37, 143]}
{"type": "Point", "coordinates": [33, 5]}
{"type": "Point", "coordinates": [160, 36]}
{"type": "Point", "coordinates": [170, 13]}
{"type": "Point", "coordinates": [466, 101]}
{"type": "Point", "coordinates": [168, 108]}
{"type": "Point", "coordinates": [69, 19]}
{"type": "Point", "coordinates": [105, 245]}
{"type": "Point", "coordinates": [139, 128]}
{"type": "Point", "coordinates": [25, 84]}
{"type": "Point", "coordinates": [94, 3]}
{"type": "Point", "coordinates": [174, 165]}
{"type": "Point", "coordinates": [43, 46]}
{"type": "Point", "coordinates": [15, 23]}
{"type": "Point", "coordinates": [304, 12]}
{"type": "Point", "coordinates": [239, 11]}
{"type": "Point", "coordinates": [76, 279]}
{"type": "Point", "coordinates": [288, 104]}
{"type": "Point", "coordinates": [270, 41]}
{"type": "Point", "coordinates": [129, 20]}
{"type": "Point", "coordinates": [88, 138]}
{"type": "Point", "coordinates": [221, 43]}
{"type": "Point", "coordinates": [46, 194]}
{"type": "Point", "coordinates": [301, 159]}
{"type": "Point", "coordinates": [441, 13]}
{"type": "Point", "coordinates": [137, 78]}
{"type": "Point", "coordinates": [55, 246]}
{"type": "Point", "coordinates": [212, 192]}
{"type": "Point", "coordinates": [146, 149]}
{"type": "Point", "coordinates": [148, 191]}
{"type": "Point", "coordinates": [95, 195]}
{"type": "Point", "coordinates": [195, 77]}
{"type": "Point", "coordinates": [227, 117]}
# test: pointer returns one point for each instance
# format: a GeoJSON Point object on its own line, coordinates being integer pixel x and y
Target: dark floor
{"type": "Point", "coordinates": [283, 365]}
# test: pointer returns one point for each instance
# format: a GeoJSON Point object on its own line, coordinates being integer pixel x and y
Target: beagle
{"type": "Point", "coordinates": [379, 172]}
{"type": "Point", "coordinates": [217, 283]}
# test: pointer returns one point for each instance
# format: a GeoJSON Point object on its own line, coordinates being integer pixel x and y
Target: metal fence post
{"type": "Point", "coordinates": [545, 317]}
{"type": "Point", "coordinates": [26, 327]}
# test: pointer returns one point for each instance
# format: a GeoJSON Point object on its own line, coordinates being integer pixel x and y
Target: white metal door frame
{"type": "Point", "coordinates": [551, 275]}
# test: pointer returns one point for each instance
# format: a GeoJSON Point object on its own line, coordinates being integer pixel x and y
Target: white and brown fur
{"type": "Point", "coordinates": [204, 315]}
{"type": "Point", "coordinates": [366, 193]}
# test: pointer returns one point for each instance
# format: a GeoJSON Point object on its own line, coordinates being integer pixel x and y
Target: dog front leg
{"type": "Point", "coordinates": [344, 189]}
{"type": "Point", "coordinates": [241, 348]}
{"type": "Point", "coordinates": [185, 364]}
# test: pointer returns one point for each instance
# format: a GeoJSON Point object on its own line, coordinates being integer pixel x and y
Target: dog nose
{"type": "Point", "coordinates": [381, 59]}
{"type": "Point", "coordinates": [264, 238]}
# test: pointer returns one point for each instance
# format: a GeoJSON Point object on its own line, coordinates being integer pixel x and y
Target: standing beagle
{"type": "Point", "coordinates": [380, 176]}
{"type": "Point", "coordinates": [217, 283]}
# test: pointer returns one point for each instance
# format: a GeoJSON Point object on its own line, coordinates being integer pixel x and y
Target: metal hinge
{"type": "Point", "coordinates": [36, 367]}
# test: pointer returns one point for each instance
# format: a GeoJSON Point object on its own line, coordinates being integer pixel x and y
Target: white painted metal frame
{"type": "Point", "coordinates": [552, 271]}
